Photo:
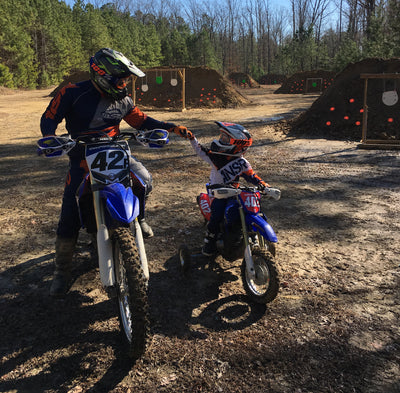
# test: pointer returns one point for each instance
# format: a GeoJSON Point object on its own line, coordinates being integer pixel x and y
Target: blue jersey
{"type": "Point", "coordinates": [86, 111]}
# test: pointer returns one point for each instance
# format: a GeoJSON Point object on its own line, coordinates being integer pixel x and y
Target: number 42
{"type": "Point", "coordinates": [115, 160]}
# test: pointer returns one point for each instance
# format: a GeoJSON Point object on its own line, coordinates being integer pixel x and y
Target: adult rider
{"type": "Point", "coordinates": [94, 106]}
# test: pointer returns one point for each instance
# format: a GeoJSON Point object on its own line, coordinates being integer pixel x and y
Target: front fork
{"type": "Point", "coordinates": [104, 246]}
{"type": "Point", "coordinates": [247, 251]}
{"type": "Point", "coordinates": [141, 249]}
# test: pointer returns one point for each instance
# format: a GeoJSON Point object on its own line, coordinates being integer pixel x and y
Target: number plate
{"type": "Point", "coordinates": [251, 201]}
{"type": "Point", "coordinates": [108, 163]}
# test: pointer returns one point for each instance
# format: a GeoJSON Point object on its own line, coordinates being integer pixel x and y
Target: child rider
{"type": "Point", "coordinates": [225, 156]}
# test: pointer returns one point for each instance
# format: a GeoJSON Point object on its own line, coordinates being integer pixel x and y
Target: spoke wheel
{"type": "Point", "coordinates": [264, 287]}
{"type": "Point", "coordinates": [263, 243]}
{"type": "Point", "coordinates": [131, 293]}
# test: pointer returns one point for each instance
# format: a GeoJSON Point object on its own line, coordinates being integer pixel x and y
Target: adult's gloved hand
{"type": "Point", "coordinates": [182, 132]}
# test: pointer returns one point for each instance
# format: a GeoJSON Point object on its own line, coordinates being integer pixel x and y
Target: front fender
{"type": "Point", "coordinates": [121, 203]}
{"type": "Point", "coordinates": [259, 224]}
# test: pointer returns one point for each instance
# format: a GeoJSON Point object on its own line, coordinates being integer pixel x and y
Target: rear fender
{"type": "Point", "coordinates": [204, 201]}
{"type": "Point", "coordinates": [259, 224]}
{"type": "Point", "coordinates": [121, 203]}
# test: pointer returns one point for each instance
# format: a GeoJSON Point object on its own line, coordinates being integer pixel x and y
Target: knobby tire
{"type": "Point", "coordinates": [131, 288]}
{"type": "Point", "coordinates": [265, 260]}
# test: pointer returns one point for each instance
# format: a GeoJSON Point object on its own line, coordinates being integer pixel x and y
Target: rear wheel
{"type": "Point", "coordinates": [131, 293]}
{"type": "Point", "coordinates": [264, 287]}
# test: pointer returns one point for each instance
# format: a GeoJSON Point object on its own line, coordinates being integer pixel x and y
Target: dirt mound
{"type": "Point", "coordinates": [272, 79]}
{"type": "Point", "coordinates": [242, 80]}
{"type": "Point", "coordinates": [338, 112]}
{"type": "Point", "coordinates": [74, 77]}
{"type": "Point", "coordinates": [162, 88]}
{"type": "Point", "coordinates": [205, 87]}
{"type": "Point", "coordinates": [307, 82]}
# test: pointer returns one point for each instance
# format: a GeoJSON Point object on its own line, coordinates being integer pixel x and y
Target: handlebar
{"type": "Point", "coordinates": [223, 191]}
{"type": "Point", "coordinates": [54, 146]}
{"type": "Point", "coordinates": [153, 138]}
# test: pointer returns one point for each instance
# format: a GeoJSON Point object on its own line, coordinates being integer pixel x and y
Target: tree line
{"type": "Point", "coordinates": [41, 41]}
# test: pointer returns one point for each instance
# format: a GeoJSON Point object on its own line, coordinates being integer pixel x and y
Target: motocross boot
{"type": "Point", "coordinates": [146, 228]}
{"type": "Point", "coordinates": [62, 278]}
{"type": "Point", "coordinates": [210, 244]}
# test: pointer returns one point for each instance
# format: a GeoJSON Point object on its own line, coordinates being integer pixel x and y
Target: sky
{"type": "Point", "coordinates": [274, 3]}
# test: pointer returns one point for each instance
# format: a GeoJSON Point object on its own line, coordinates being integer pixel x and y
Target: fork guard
{"type": "Point", "coordinates": [121, 203]}
{"type": "Point", "coordinates": [259, 224]}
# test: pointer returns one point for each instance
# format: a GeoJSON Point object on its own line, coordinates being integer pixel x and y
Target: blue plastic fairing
{"type": "Point", "coordinates": [121, 203]}
{"type": "Point", "coordinates": [259, 224]}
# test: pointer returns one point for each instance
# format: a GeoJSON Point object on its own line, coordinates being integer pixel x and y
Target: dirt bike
{"type": "Point", "coordinates": [109, 208]}
{"type": "Point", "coordinates": [244, 233]}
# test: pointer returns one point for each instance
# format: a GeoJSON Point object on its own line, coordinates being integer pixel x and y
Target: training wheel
{"type": "Point", "coordinates": [184, 258]}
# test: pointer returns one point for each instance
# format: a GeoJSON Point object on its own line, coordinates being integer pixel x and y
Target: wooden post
{"type": "Point", "coordinates": [133, 94]}
{"type": "Point", "coordinates": [365, 113]}
{"type": "Point", "coordinates": [181, 73]}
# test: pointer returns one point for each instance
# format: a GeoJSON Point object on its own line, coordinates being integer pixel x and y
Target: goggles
{"type": "Point", "coordinates": [121, 82]}
{"type": "Point", "coordinates": [225, 139]}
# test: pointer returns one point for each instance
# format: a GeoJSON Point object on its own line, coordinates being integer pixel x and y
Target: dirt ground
{"type": "Point", "coordinates": [334, 326]}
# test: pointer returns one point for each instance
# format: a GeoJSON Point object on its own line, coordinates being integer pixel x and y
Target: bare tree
{"type": "Point", "coordinates": [319, 12]}
{"type": "Point", "coordinates": [299, 10]}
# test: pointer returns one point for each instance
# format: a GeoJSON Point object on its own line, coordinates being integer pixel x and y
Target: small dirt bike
{"type": "Point", "coordinates": [245, 233]}
{"type": "Point", "coordinates": [109, 208]}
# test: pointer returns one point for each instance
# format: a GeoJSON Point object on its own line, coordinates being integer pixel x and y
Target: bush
{"type": "Point", "coordinates": [6, 77]}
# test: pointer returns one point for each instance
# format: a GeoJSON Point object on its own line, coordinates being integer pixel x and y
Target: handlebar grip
{"type": "Point", "coordinates": [274, 193]}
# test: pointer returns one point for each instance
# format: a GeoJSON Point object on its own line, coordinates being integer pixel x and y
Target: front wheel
{"type": "Point", "coordinates": [264, 287]}
{"type": "Point", "coordinates": [263, 243]}
{"type": "Point", "coordinates": [131, 293]}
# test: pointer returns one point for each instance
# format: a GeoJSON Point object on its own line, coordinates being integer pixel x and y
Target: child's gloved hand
{"type": "Point", "coordinates": [182, 131]}
{"type": "Point", "coordinates": [274, 193]}
{"type": "Point", "coordinates": [262, 186]}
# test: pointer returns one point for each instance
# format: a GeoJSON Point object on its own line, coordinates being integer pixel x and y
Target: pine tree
{"type": "Point", "coordinates": [17, 51]}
